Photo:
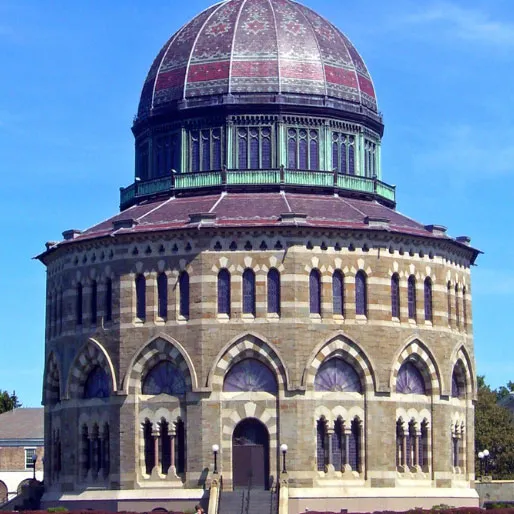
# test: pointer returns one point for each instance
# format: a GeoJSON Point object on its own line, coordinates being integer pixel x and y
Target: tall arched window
{"type": "Point", "coordinates": [78, 306]}
{"type": "Point", "coordinates": [108, 300]}
{"type": "Point", "coordinates": [224, 292]}
{"type": "Point", "coordinates": [141, 297]}
{"type": "Point", "coordinates": [162, 295]}
{"type": "Point", "coordinates": [464, 308]}
{"type": "Point", "coordinates": [184, 294]}
{"type": "Point", "coordinates": [428, 299]}
{"type": "Point", "coordinates": [338, 293]}
{"type": "Point", "coordinates": [249, 291]}
{"type": "Point", "coordinates": [395, 296]}
{"type": "Point", "coordinates": [315, 292]}
{"type": "Point", "coordinates": [321, 444]}
{"type": "Point", "coordinates": [273, 291]}
{"type": "Point", "coordinates": [457, 310]}
{"type": "Point", "coordinates": [94, 302]}
{"type": "Point", "coordinates": [410, 380]}
{"type": "Point", "coordinates": [449, 302]}
{"type": "Point", "coordinates": [411, 297]}
{"type": "Point", "coordinates": [250, 375]}
{"type": "Point", "coordinates": [361, 294]}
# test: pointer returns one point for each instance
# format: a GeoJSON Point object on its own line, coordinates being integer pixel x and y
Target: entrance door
{"type": "Point", "coordinates": [250, 454]}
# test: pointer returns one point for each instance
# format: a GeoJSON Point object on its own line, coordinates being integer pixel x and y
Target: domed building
{"type": "Point", "coordinates": [259, 319]}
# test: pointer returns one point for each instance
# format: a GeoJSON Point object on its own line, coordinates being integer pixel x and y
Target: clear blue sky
{"type": "Point", "coordinates": [71, 74]}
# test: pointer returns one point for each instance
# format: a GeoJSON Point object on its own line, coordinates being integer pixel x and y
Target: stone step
{"type": "Point", "coordinates": [236, 502]}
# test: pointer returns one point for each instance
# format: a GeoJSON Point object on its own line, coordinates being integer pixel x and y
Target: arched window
{"type": "Point", "coordinates": [184, 294]}
{"type": "Point", "coordinates": [108, 300]}
{"type": "Point", "coordinates": [411, 297]}
{"type": "Point", "coordinates": [106, 450]}
{"type": "Point", "coordinates": [273, 291]}
{"type": "Point", "coordinates": [250, 375]}
{"type": "Point", "coordinates": [464, 308]}
{"type": "Point", "coordinates": [338, 293]}
{"type": "Point", "coordinates": [292, 149]}
{"type": "Point", "coordinates": [449, 302]}
{"type": "Point", "coordinates": [78, 305]}
{"type": "Point", "coordinates": [162, 295]}
{"type": "Point", "coordinates": [337, 375]}
{"type": "Point", "coordinates": [224, 292]}
{"type": "Point", "coordinates": [457, 310]}
{"type": "Point", "coordinates": [395, 296]}
{"type": "Point", "coordinates": [458, 381]}
{"type": "Point", "coordinates": [428, 299]}
{"type": "Point", "coordinates": [321, 444]}
{"type": "Point", "coordinates": [180, 446]}
{"type": "Point", "coordinates": [315, 292]}
{"type": "Point", "coordinates": [410, 380]}
{"type": "Point", "coordinates": [97, 384]}
{"type": "Point", "coordinates": [249, 292]}
{"type": "Point", "coordinates": [85, 451]}
{"type": "Point", "coordinates": [94, 302]}
{"type": "Point", "coordinates": [141, 297]}
{"type": "Point", "coordinates": [149, 447]}
{"type": "Point", "coordinates": [361, 294]}
{"type": "Point", "coordinates": [164, 378]}
{"type": "Point", "coordinates": [355, 445]}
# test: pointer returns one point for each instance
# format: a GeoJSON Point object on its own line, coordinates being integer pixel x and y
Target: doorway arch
{"type": "Point", "coordinates": [250, 454]}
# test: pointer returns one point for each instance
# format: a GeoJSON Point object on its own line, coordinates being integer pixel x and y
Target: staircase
{"type": "Point", "coordinates": [248, 501]}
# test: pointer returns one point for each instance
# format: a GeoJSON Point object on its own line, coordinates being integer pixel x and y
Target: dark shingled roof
{"type": "Point", "coordinates": [23, 423]}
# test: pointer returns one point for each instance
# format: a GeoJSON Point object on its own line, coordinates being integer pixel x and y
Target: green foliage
{"type": "Point", "coordinates": [57, 509]}
{"type": "Point", "coordinates": [8, 401]}
{"type": "Point", "coordinates": [494, 430]}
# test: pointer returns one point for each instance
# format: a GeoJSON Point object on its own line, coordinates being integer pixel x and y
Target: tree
{"type": "Point", "coordinates": [8, 401]}
{"type": "Point", "coordinates": [494, 430]}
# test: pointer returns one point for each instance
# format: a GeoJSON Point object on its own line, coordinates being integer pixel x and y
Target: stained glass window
{"type": "Point", "coordinates": [274, 291]}
{"type": "Point", "coordinates": [370, 158]}
{"type": "Point", "coordinates": [162, 295]}
{"type": "Point", "coordinates": [338, 293]}
{"type": "Point", "coordinates": [165, 155]}
{"type": "Point", "coordinates": [351, 158]}
{"type": "Point", "coordinates": [411, 297]}
{"type": "Point", "coordinates": [78, 307]}
{"type": "Point", "coordinates": [216, 149]}
{"type": "Point", "coordinates": [361, 294]}
{"type": "Point", "coordinates": [303, 150]}
{"type": "Point", "coordinates": [291, 149]}
{"type": "Point", "coordinates": [315, 292]}
{"type": "Point", "coordinates": [313, 150]}
{"type": "Point", "coordinates": [142, 164]}
{"type": "Point", "coordinates": [184, 294]}
{"type": "Point", "coordinates": [140, 297]}
{"type": "Point", "coordinates": [249, 292]}
{"type": "Point", "coordinates": [410, 380]}
{"type": "Point", "coordinates": [428, 299]}
{"type": "Point", "coordinates": [242, 148]}
{"type": "Point", "coordinates": [195, 150]}
{"type": "Point", "coordinates": [337, 375]}
{"type": "Point", "coordinates": [343, 153]}
{"type": "Point", "coordinates": [206, 150]}
{"type": "Point", "coordinates": [395, 296]}
{"type": "Point", "coordinates": [164, 378]}
{"type": "Point", "coordinates": [108, 300]}
{"type": "Point", "coordinates": [97, 384]}
{"type": "Point", "coordinates": [224, 292]}
{"type": "Point", "coordinates": [94, 302]}
{"type": "Point", "coordinates": [266, 147]}
{"type": "Point", "coordinates": [250, 375]}
{"type": "Point", "coordinates": [254, 148]}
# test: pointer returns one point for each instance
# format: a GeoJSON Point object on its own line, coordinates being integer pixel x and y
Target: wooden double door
{"type": "Point", "coordinates": [250, 455]}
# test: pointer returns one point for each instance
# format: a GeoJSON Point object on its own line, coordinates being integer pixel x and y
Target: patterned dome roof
{"type": "Point", "coordinates": [256, 46]}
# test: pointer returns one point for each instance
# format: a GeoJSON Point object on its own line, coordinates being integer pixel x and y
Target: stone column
{"type": "Point", "coordinates": [347, 434]}
{"type": "Point", "coordinates": [156, 437]}
{"type": "Point", "coordinates": [330, 435]}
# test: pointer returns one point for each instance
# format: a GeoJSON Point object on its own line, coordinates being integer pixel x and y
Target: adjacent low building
{"type": "Point", "coordinates": [21, 441]}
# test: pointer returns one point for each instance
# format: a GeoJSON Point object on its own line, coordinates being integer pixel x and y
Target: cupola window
{"type": "Point", "coordinates": [370, 159]}
{"type": "Point", "coordinates": [338, 293]}
{"type": "Point", "coordinates": [142, 165]}
{"type": "Point", "coordinates": [254, 148]}
{"type": "Point", "coordinates": [205, 149]}
{"type": "Point", "coordinates": [395, 296]}
{"type": "Point", "coordinates": [303, 149]}
{"type": "Point", "coordinates": [166, 155]}
{"type": "Point", "coordinates": [361, 294]}
{"type": "Point", "coordinates": [273, 291]}
{"type": "Point", "coordinates": [343, 153]}
{"type": "Point", "coordinates": [224, 292]}
{"type": "Point", "coordinates": [428, 299]}
{"type": "Point", "coordinates": [315, 292]}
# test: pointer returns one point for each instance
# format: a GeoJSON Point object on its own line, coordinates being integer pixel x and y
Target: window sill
{"type": "Point", "coordinates": [315, 317]}
{"type": "Point", "coordinates": [223, 318]}
{"type": "Point", "coordinates": [184, 319]}
{"type": "Point", "coordinates": [273, 316]}
{"type": "Point", "coordinates": [428, 323]}
{"type": "Point", "coordinates": [361, 317]}
{"type": "Point", "coordinates": [247, 316]}
{"type": "Point", "coordinates": [394, 319]}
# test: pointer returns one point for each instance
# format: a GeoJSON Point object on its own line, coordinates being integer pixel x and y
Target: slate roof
{"type": "Point", "coordinates": [23, 424]}
{"type": "Point", "coordinates": [252, 210]}
{"type": "Point", "coordinates": [257, 46]}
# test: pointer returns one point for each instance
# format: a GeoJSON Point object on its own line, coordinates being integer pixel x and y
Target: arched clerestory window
{"type": "Point", "coordinates": [249, 291]}
{"type": "Point", "coordinates": [183, 285]}
{"type": "Point", "coordinates": [78, 305]}
{"type": "Point", "coordinates": [411, 297]}
{"type": "Point", "coordinates": [250, 375]}
{"type": "Point", "coordinates": [427, 293]}
{"type": "Point", "coordinates": [224, 292]}
{"type": "Point", "coordinates": [395, 296]}
{"type": "Point", "coordinates": [361, 294]}
{"type": "Point", "coordinates": [141, 297]}
{"type": "Point", "coordinates": [338, 293]}
{"type": "Point", "coordinates": [335, 374]}
{"type": "Point", "coordinates": [94, 302]}
{"type": "Point", "coordinates": [315, 292]}
{"type": "Point", "coordinates": [273, 291]}
{"type": "Point", "coordinates": [164, 378]}
{"type": "Point", "coordinates": [97, 384]}
{"type": "Point", "coordinates": [410, 380]}
{"type": "Point", "coordinates": [162, 295]}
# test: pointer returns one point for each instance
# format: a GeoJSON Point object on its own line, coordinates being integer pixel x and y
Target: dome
{"type": "Point", "coordinates": [266, 47]}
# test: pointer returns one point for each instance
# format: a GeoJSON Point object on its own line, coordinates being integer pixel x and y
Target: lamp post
{"type": "Point", "coordinates": [283, 449]}
{"type": "Point", "coordinates": [34, 460]}
{"type": "Point", "coordinates": [484, 461]}
{"type": "Point", "coordinates": [215, 450]}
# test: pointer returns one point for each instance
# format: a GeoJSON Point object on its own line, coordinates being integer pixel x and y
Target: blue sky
{"type": "Point", "coordinates": [71, 77]}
